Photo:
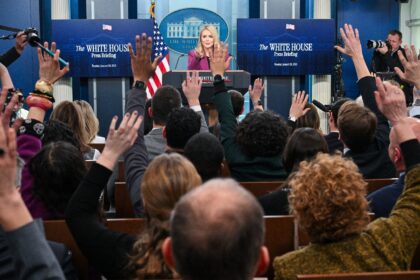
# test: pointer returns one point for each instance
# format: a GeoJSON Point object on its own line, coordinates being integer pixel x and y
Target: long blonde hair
{"type": "Point", "coordinates": [91, 121]}
{"type": "Point", "coordinates": [216, 40]}
{"type": "Point", "coordinates": [166, 179]}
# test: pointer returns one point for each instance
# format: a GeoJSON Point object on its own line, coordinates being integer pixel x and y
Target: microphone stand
{"type": "Point", "coordinates": [177, 61]}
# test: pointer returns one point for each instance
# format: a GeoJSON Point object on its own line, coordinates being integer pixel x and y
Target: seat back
{"type": "Point", "coordinates": [279, 238]}
{"type": "Point", "coordinates": [399, 275]}
{"type": "Point", "coordinates": [123, 206]}
{"type": "Point", "coordinates": [376, 184]}
{"type": "Point", "coordinates": [57, 230]}
{"type": "Point", "coordinates": [261, 188]}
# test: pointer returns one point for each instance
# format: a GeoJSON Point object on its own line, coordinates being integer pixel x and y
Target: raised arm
{"type": "Point", "coordinates": [191, 87]}
{"type": "Point", "coordinates": [23, 236]}
{"type": "Point", "coordinates": [136, 158]}
{"type": "Point", "coordinates": [401, 228]}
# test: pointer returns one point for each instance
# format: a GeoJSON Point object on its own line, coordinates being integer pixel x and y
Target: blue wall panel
{"type": "Point", "coordinates": [21, 14]}
{"type": "Point", "coordinates": [373, 18]}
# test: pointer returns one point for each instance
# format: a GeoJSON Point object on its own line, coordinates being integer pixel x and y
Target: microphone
{"type": "Point", "coordinates": [177, 61]}
{"type": "Point", "coordinates": [322, 107]}
{"type": "Point", "coordinates": [234, 59]}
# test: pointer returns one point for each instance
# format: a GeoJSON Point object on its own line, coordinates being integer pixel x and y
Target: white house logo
{"type": "Point", "coordinates": [181, 28]}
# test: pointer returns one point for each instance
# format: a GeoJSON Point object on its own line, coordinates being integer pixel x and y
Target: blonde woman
{"type": "Point", "coordinates": [91, 122]}
{"type": "Point", "coordinates": [198, 58]}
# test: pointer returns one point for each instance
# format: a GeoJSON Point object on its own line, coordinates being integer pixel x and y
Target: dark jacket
{"type": "Point", "coordinates": [242, 167]}
{"type": "Point", "coordinates": [374, 161]}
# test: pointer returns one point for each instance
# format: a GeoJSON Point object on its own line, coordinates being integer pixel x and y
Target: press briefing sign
{"type": "Point", "coordinates": [286, 46]}
{"type": "Point", "coordinates": [98, 48]}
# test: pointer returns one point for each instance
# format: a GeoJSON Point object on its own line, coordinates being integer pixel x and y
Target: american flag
{"type": "Point", "coordinates": [159, 48]}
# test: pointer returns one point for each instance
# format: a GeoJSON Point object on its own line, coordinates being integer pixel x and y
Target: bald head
{"type": "Point", "coordinates": [394, 151]}
{"type": "Point", "coordinates": [217, 232]}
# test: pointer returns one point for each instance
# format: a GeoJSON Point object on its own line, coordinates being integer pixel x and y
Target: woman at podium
{"type": "Point", "coordinates": [198, 58]}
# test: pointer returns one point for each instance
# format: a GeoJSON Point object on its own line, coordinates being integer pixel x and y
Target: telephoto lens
{"type": "Point", "coordinates": [375, 44]}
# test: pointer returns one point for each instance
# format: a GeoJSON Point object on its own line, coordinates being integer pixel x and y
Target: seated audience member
{"type": "Point", "coordinates": [91, 122]}
{"type": "Point", "coordinates": [364, 131]}
{"type": "Point", "coordinates": [328, 199]}
{"type": "Point", "coordinates": [31, 256]}
{"type": "Point", "coordinates": [71, 114]}
{"type": "Point", "coordinates": [309, 119]}
{"type": "Point", "coordinates": [383, 200]}
{"type": "Point", "coordinates": [147, 119]}
{"type": "Point", "coordinates": [164, 101]}
{"type": "Point", "coordinates": [332, 138]}
{"type": "Point", "coordinates": [253, 148]}
{"type": "Point", "coordinates": [206, 153]}
{"type": "Point", "coordinates": [168, 177]}
{"type": "Point", "coordinates": [303, 144]}
{"type": "Point", "coordinates": [52, 172]}
{"type": "Point", "coordinates": [223, 240]}
{"type": "Point", "coordinates": [238, 107]}
{"type": "Point", "coordinates": [182, 124]}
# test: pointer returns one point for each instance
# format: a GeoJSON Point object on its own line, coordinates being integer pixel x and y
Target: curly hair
{"type": "Point", "coordinates": [328, 198]}
{"type": "Point", "coordinates": [262, 133]}
{"type": "Point", "coordinates": [167, 178]}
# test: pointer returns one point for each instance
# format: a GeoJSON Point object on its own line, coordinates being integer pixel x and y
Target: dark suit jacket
{"type": "Point", "coordinates": [374, 161]}
{"type": "Point", "coordinates": [25, 254]}
{"type": "Point", "coordinates": [242, 167]}
{"type": "Point", "coordinates": [334, 144]}
{"type": "Point", "coordinates": [383, 200]}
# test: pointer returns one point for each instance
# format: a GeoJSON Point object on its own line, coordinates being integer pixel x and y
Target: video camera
{"type": "Point", "coordinates": [375, 44]}
{"type": "Point", "coordinates": [32, 36]}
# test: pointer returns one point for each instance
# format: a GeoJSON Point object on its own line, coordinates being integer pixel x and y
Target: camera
{"type": "Point", "coordinates": [32, 36]}
{"type": "Point", "coordinates": [375, 44]}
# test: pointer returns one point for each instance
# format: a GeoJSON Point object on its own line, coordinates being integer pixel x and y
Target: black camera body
{"type": "Point", "coordinates": [375, 44]}
{"type": "Point", "coordinates": [32, 36]}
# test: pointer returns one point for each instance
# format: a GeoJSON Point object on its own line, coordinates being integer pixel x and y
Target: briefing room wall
{"type": "Point", "coordinates": [21, 14]}
{"type": "Point", "coordinates": [373, 18]}
{"type": "Point", "coordinates": [229, 10]}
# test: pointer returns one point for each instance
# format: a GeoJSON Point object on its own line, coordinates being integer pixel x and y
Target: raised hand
{"type": "Point", "coordinates": [411, 65]}
{"type": "Point", "coordinates": [191, 87]}
{"type": "Point", "coordinates": [141, 65]}
{"type": "Point", "coordinates": [256, 91]}
{"type": "Point", "coordinates": [7, 113]}
{"type": "Point", "coordinates": [391, 101]}
{"type": "Point", "coordinates": [49, 67]}
{"type": "Point", "coordinates": [297, 108]}
{"type": "Point", "coordinates": [218, 62]}
{"type": "Point", "coordinates": [21, 42]}
{"type": "Point", "coordinates": [120, 140]}
{"type": "Point", "coordinates": [352, 45]}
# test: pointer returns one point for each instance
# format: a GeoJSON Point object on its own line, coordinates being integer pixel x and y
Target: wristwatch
{"type": "Point", "coordinates": [292, 118]}
{"type": "Point", "coordinates": [258, 103]}
{"type": "Point", "coordinates": [140, 85]}
{"type": "Point", "coordinates": [218, 79]}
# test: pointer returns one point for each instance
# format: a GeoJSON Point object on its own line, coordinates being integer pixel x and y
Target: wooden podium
{"type": "Point", "coordinates": [235, 79]}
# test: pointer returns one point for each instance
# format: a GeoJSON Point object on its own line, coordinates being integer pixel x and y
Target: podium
{"type": "Point", "coordinates": [235, 79]}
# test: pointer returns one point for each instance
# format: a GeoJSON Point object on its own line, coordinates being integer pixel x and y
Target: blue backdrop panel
{"type": "Point", "coordinates": [286, 46]}
{"type": "Point", "coordinates": [21, 14]}
{"type": "Point", "coordinates": [98, 48]}
{"type": "Point", "coordinates": [374, 19]}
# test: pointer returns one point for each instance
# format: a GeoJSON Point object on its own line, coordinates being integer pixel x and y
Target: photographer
{"type": "Point", "coordinates": [385, 59]}
{"type": "Point", "coordinates": [14, 53]}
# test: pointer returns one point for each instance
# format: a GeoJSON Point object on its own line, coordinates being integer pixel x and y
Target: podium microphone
{"type": "Point", "coordinates": [177, 61]}
{"type": "Point", "coordinates": [234, 59]}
